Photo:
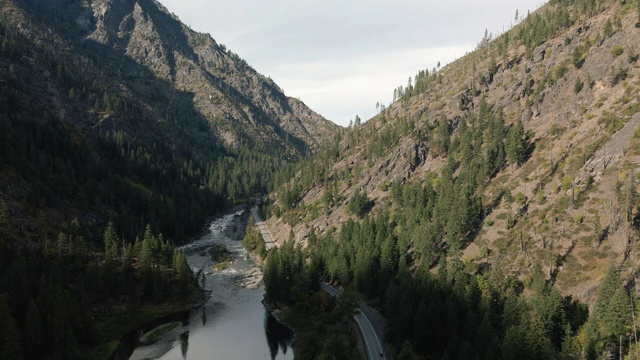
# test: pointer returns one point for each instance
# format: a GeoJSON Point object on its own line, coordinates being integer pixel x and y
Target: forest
{"type": "Point", "coordinates": [61, 299]}
{"type": "Point", "coordinates": [100, 181]}
{"type": "Point", "coordinates": [96, 193]}
{"type": "Point", "coordinates": [403, 249]}
{"type": "Point", "coordinates": [406, 259]}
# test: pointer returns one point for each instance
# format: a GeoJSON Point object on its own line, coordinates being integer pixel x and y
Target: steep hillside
{"type": "Point", "coordinates": [492, 211]}
{"type": "Point", "coordinates": [104, 101]}
{"type": "Point", "coordinates": [529, 145]}
{"type": "Point", "coordinates": [121, 133]}
{"type": "Point", "coordinates": [240, 102]}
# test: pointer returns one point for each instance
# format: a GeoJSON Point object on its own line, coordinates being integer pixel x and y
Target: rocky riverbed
{"type": "Point", "coordinates": [233, 323]}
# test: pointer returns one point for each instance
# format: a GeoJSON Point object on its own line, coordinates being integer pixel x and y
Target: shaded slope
{"type": "Point", "coordinates": [117, 111]}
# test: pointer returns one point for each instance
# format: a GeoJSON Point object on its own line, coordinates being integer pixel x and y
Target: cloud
{"type": "Point", "coordinates": [342, 89]}
{"type": "Point", "coordinates": [341, 57]}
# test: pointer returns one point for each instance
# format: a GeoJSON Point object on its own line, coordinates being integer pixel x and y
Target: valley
{"type": "Point", "coordinates": [490, 211]}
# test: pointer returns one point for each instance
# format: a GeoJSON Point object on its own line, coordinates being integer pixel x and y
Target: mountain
{"type": "Point", "coordinates": [242, 103]}
{"type": "Point", "coordinates": [573, 93]}
{"type": "Point", "coordinates": [119, 97]}
{"type": "Point", "coordinates": [509, 175]}
{"type": "Point", "coordinates": [122, 132]}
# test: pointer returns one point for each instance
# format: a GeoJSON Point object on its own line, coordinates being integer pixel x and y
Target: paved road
{"type": "Point", "coordinates": [370, 333]}
{"type": "Point", "coordinates": [266, 236]}
{"type": "Point", "coordinates": [371, 323]}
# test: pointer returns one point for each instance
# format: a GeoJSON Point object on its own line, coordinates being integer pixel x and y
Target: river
{"type": "Point", "coordinates": [233, 323]}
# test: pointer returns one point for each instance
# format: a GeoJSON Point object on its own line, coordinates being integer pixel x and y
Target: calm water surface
{"type": "Point", "coordinates": [233, 324]}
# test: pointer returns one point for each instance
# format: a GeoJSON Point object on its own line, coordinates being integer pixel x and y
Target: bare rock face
{"type": "Point", "coordinates": [539, 53]}
{"type": "Point", "coordinates": [611, 152]}
{"type": "Point", "coordinates": [238, 101]}
{"type": "Point", "coordinates": [420, 152]}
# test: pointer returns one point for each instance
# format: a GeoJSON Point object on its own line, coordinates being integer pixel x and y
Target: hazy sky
{"type": "Point", "coordinates": [341, 57]}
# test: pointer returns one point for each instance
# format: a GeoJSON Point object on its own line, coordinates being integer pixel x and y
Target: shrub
{"type": "Point", "coordinates": [520, 198]}
{"type": "Point", "coordinates": [611, 122]}
{"type": "Point", "coordinates": [556, 130]}
{"type": "Point", "coordinates": [359, 204]}
{"type": "Point", "coordinates": [578, 85]}
{"type": "Point", "coordinates": [558, 72]}
{"type": "Point", "coordinates": [618, 75]}
{"type": "Point", "coordinates": [617, 50]}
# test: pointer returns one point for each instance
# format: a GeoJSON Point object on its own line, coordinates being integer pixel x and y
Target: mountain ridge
{"type": "Point", "coordinates": [130, 75]}
{"type": "Point", "coordinates": [572, 94]}
{"type": "Point", "coordinates": [492, 211]}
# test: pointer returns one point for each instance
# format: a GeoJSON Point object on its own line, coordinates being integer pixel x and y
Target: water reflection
{"type": "Point", "coordinates": [278, 336]}
{"type": "Point", "coordinates": [184, 344]}
{"type": "Point", "coordinates": [228, 326]}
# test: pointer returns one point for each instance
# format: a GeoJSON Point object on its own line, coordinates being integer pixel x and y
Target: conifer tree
{"type": "Point", "coordinates": [608, 286]}
{"type": "Point", "coordinates": [145, 252]}
{"type": "Point", "coordinates": [62, 244]}
{"type": "Point", "coordinates": [515, 147]}
{"type": "Point", "coordinates": [618, 313]}
{"type": "Point", "coordinates": [137, 247]}
{"type": "Point", "coordinates": [110, 243]}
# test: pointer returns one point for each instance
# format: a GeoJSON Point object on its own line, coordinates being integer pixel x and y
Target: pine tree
{"type": "Point", "coordinates": [515, 147]}
{"type": "Point", "coordinates": [110, 243]}
{"type": "Point", "coordinates": [406, 353]}
{"type": "Point", "coordinates": [137, 247]}
{"type": "Point", "coordinates": [184, 270]}
{"type": "Point", "coordinates": [443, 137]}
{"type": "Point", "coordinates": [512, 344]}
{"type": "Point", "coordinates": [389, 257]}
{"type": "Point", "coordinates": [272, 277]}
{"type": "Point", "coordinates": [145, 252]}
{"type": "Point", "coordinates": [127, 256]}
{"type": "Point", "coordinates": [612, 309]}
{"type": "Point", "coordinates": [608, 286]}
{"type": "Point", "coordinates": [62, 245]}
{"type": "Point", "coordinates": [538, 343]}
{"type": "Point", "coordinates": [149, 245]}
{"type": "Point", "coordinates": [618, 312]}
{"type": "Point", "coordinates": [570, 350]}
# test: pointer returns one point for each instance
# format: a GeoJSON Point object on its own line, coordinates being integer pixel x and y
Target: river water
{"type": "Point", "coordinates": [233, 324]}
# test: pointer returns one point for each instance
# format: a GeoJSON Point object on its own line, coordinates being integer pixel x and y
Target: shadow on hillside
{"type": "Point", "coordinates": [174, 105]}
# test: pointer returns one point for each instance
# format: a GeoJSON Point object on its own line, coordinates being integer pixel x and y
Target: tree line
{"type": "Point", "coordinates": [406, 258]}
{"type": "Point", "coordinates": [52, 296]}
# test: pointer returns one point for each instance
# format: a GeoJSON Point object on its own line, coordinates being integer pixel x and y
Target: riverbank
{"type": "Point", "coordinates": [232, 324]}
{"type": "Point", "coordinates": [118, 319]}
{"type": "Point", "coordinates": [321, 325]}
{"type": "Point", "coordinates": [115, 326]}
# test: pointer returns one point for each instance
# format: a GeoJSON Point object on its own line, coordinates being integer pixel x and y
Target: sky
{"type": "Point", "coordinates": [341, 57]}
